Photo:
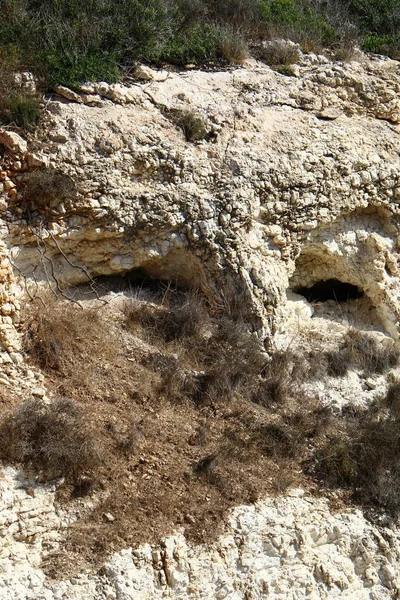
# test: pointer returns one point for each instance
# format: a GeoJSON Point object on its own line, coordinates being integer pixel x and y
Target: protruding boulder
{"type": "Point", "coordinates": [12, 141]}
{"type": "Point", "coordinates": [68, 94]}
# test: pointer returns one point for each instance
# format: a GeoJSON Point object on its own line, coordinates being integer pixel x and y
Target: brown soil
{"type": "Point", "coordinates": [166, 461]}
{"type": "Point", "coordinates": [173, 455]}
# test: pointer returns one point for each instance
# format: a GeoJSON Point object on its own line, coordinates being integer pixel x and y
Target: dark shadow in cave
{"type": "Point", "coordinates": [136, 282]}
{"type": "Point", "coordinates": [134, 279]}
{"type": "Point", "coordinates": [331, 289]}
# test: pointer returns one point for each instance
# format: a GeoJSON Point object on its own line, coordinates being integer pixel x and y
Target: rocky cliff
{"type": "Point", "coordinates": [245, 179]}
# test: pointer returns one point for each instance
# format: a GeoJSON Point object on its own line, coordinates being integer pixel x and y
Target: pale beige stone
{"type": "Point", "coordinates": [12, 141]}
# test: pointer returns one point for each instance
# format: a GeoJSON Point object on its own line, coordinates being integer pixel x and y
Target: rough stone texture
{"type": "Point", "coordinates": [291, 547]}
{"type": "Point", "coordinates": [29, 527]}
{"type": "Point", "coordinates": [284, 548]}
{"type": "Point", "coordinates": [297, 182]}
{"type": "Point", "coordinates": [12, 141]}
{"type": "Point", "coordinates": [277, 181]}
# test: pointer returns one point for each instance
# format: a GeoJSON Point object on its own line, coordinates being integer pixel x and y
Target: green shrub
{"type": "Point", "coordinates": [379, 20]}
{"type": "Point", "coordinates": [196, 45]}
{"type": "Point", "coordinates": [72, 72]}
{"type": "Point", "coordinates": [287, 70]}
{"type": "Point", "coordinates": [297, 21]}
{"type": "Point", "coordinates": [239, 14]}
{"type": "Point", "coordinates": [192, 12]}
{"type": "Point", "coordinates": [74, 42]}
{"type": "Point", "coordinates": [71, 42]}
{"type": "Point", "coordinates": [380, 17]}
{"type": "Point", "coordinates": [19, 100]}
{"type": "Point", "coordinates": [382, 44]}
{"type": "Point", "coordinates": [21, 109]}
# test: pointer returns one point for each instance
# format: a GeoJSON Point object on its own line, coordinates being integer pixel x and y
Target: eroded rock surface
{"type": "Point", "coordinates": [279, 196]}
{"type": "Point", "coordinates": [287, 547]}
{"type": "Point", "coordinates": [296, 182]}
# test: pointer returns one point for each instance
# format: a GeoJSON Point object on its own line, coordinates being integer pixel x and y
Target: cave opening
{"type": "Point", "coordinates": [330, 289]}
{"type": "Point", "coordinates": [137, 282]}
{"type": "Point", "coordinates": [134, 280]}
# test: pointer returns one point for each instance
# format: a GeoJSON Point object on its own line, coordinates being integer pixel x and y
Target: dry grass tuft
{"type": "Point", "coordinates": [359, 350]}
{"type": "Point", "coordinates": [362, 452]}
{"type": "Point", "coordinates": [66, 341]}
{"type": "Point", "coordinates": [194, 126]}
{"type": "Point", "coordinates": [184, 404]}
{"type": "Point", "coordinates": [233, 47]}
{"type": "Point", "coordinates": [53, 439]}
{"type": "Point", "coordinates": [44, 190]}
{"type": "Point", "coordinates": [280, 379]}
{"type": "Point", "coordinates": [279, 53]}
{"type": "Point", "coordinates": [393, 400]}
{"type": "Point", "coordinates": [369, 355]}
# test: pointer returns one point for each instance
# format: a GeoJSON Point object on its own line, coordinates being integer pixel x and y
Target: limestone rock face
{"type": "Point", "coordinates": [12, 141]}
{"type": "Point", "coordinates": [285, 547]}
{"type": "Point", "coordinates": [278, 180]}
{"type": "Point", "coordinates": [296, 182]}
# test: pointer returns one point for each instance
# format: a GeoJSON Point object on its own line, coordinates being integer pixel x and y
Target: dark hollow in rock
{"type": "Point", "coordinates": [331, 289]}
{"type": "Point", "coordinates": [136, 280]}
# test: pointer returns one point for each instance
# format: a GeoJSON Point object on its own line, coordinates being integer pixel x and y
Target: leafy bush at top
{"type": "Point", "coordinates": [204, 42]}
{"type": "Point", "coordinates": [243, 14]}
{"type": "Point", "coordinates": [298, 21]}
{"type": "Point", "coordinates": [381, 17]}
{"type": "Point", "coordinates": [90, 67]}
{"type": "Point", "coordinates": [199, 43]}
{"type": "Point", "coordinates": [380, 22]}
{"type": "Point", "coordinates": [382, 44]}
{"type": "Point", "coordinates": [19, 102]}
{"type": "Point", "coordinates": [70, 42]}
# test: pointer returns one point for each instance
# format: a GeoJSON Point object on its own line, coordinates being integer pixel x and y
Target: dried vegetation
{"type": "Point", "coordinates": [171, 413]}
{"type": "Point", "coordinates": [194, 125]}
{"type": "Point", "coordinates": [362, 453]}
{"type": "Point", "coordinates": [54, 440]}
